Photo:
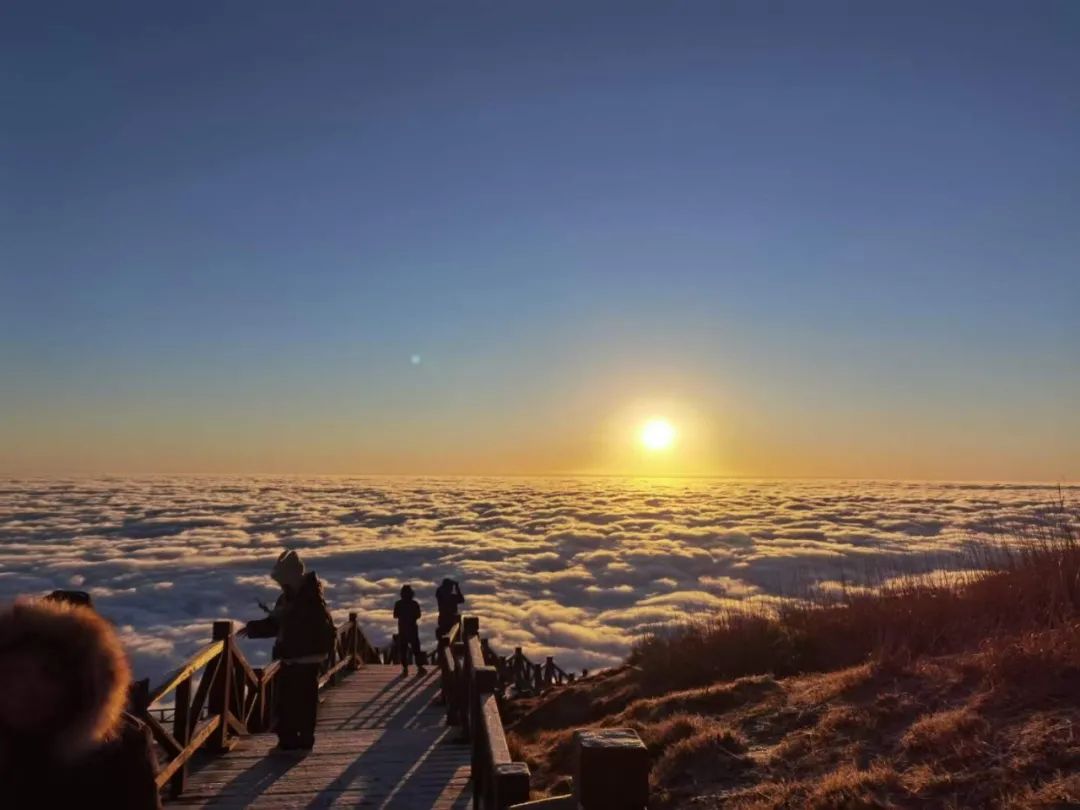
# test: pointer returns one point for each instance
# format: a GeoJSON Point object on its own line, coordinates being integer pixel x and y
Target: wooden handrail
{"type": "Point", "coordinates": [186, 670]}
{"type": "Point", "coordinates": [474, 680]}
{"type": "Point", "coordinates": [470, 689]}
{"type": "Point", "coordinates": [237, 697]}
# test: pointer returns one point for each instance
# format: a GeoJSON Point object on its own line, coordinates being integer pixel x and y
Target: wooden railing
{"type": "Point", "coordinates": [611, 765]}
{"type": "Point", "coordinates": [470, 688]}
{"type": "Point", "coordinates": [217, 695]}
{"type": "Point", "coordinates": [528, 678]}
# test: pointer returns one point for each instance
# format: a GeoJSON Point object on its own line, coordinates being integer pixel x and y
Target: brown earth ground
{"type": "Point", "coordinates": [998, 727]}
{"type": "Point", "coordinates": [943, 692]}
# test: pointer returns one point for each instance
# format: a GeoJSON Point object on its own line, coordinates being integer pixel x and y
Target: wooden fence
{"type": "Point", "coordinates": [470, 687]}
{"type": "Point", "coordinates": [528, 678]}
{"type": "Point", "coordinates": [611, 765]}
{"type": "Point", "coordinates": [217, 695]}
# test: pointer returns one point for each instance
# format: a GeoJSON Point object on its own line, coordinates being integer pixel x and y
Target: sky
{"type": "Point", "coordinates": [821, 239]}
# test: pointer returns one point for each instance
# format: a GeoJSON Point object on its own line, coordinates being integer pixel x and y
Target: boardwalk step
{"type": "Point", "coordinates": [381, 741]}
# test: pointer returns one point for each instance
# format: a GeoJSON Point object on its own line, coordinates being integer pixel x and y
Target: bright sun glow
{"type": "Point", "coordinates": [658, 434]}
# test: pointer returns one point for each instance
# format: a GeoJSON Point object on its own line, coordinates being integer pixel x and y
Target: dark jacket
{"type": "Point", "coordinates": [92, 754]}
{"type": "Point", "coordinates": [407, 613]}
{"type": "Point", "coordinates": [448, 598]}
{"type": "Point", "coordinates": [300, 621]}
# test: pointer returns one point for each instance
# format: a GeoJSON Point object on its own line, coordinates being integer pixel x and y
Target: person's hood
{"type": "Point", "coordinates": [90, 665]}
{"type": "Point", "coordinates": [288, 568]}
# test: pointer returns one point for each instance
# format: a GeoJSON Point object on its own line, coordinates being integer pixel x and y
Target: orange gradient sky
{"type": "Point", "coordinates": [821, 242]}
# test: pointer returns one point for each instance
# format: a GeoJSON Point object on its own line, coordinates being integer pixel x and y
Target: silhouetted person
{"type": "Point", "coordinates": [407, 613]}
{"type": "Point", "coordinates": [305, 636]}
{"type": "Point", "coordinates": [448, 595]}
{"type": "Point", "coordinates": [65, 740]}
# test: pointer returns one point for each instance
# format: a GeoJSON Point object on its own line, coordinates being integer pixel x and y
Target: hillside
{"type": "Point", "coordinates": [980, 709]}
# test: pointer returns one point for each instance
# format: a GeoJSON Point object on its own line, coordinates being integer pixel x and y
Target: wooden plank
{"type": "Point", "coordinates": [205, 682]}
{"type": "Point", "coordinates": [381, 741]}
{"type": "Point", "coordinates": [235, 724]}
{"type": "Point", "coordinates": [334, 670]}
{"type": "Point", "coordinates": [242, 662]}
{"type": "Point", "coordinates": [493, 730]}
{"type": "Point", "coordinates": [166, 740]}
{"type": "Point", "coordinates": [270, 672]}
{"type": "Point", "coordinates": [198, 737]}
{"type": "Point", "coordinates": [182, 720]}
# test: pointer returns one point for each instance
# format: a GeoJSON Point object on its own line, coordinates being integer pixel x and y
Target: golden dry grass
{"type": "Point", "coordinates": [980, 709]}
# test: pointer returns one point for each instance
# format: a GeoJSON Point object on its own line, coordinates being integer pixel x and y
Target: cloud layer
{"type": "Point", "coordinates": [575, 568]}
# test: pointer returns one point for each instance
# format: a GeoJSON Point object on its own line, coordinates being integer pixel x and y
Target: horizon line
{"type": "Point", "coordinates": [1049, 482]}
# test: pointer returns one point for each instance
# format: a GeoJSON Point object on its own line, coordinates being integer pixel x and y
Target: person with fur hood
{"type": "Point", "coordinates": [65, 739]}
{"type": "Point", "coordinates": [305, 636]}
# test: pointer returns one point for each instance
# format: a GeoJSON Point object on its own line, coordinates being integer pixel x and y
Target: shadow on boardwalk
{"type": "Point", "coordinates": [381, 743]}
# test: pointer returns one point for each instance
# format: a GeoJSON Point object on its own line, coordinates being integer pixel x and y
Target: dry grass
{"type": "Point", "coordinates": [946, 731]}
{"type": "Point", "coordinates": [849, 786]}
{"type": "Point", "coordinates": [1060, 792]}
{"type": "Point", "coordinates": [1031, 584]}
{"type": "Point", "coordinates": [702, 752]}
{"type": "Point", "coordinates": [952, 694]}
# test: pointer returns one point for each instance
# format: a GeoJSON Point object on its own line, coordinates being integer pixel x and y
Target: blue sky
{"type": "Point", "coordinates": [845, 239]}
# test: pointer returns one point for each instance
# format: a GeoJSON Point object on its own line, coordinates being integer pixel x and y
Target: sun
{"type": "Point", "coordinates": [657, 434]}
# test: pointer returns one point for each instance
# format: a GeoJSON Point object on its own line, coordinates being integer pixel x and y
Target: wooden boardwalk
{"type": "Point", "coordinates": [381, 742]}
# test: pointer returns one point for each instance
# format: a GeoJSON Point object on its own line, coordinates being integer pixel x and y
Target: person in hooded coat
{"type": "Point", "coordinates": [305, 636]}
{"type": "Point", "coordinates": [65, 739]}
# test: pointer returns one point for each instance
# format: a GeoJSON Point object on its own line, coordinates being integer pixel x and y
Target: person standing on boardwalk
{"type": "Point", "coordinates": [305, 636]}
{"type": "Point", "coordinates": [448, 595]}
{"type": "Point", "coordinates": [65, 739]}
{"type": "Point", "coordinates": [407, 613]}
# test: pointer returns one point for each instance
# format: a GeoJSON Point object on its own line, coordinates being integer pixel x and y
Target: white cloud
{"type": "Point", "coordinates": [571, 567]}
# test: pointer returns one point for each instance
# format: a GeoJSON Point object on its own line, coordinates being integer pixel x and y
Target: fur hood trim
{"type": "Point", "coordinates": [89, 659]}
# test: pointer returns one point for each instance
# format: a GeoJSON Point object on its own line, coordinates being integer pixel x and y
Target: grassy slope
{"type": "Point", "coordinates": [982, 708]}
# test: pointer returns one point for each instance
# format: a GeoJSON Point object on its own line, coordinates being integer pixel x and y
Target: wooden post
{"type": "Point", "coordinates": [181, 731]}
{"type": "Point", "coordinates": [517, 668]}
{"type": "Point", "coordinates": [257, 723]}
{"type": "Point", "coordinates": [221, 690]}
{"type": "Point", "coordinates": [458, 650]}
{"type": "Point", "coordinates": [270, 704]}
{"type": "Point", "coordinates": [335, 657]}
{"type": "Point", "coordinates": [485, 681]}
{"type": "Point", "coordinates": [449, 693]}
{"type": "Point", "coordinates": [445, 687]}
{"type": "Point", "coordinates": [354, 642]}
{"type": "Point", "coordinates": [611, 769]}
{"type": "Point", "coordinates": [139, 697]}
{"type": "Point", "coordinates": [470, 630]}
{"type": "Point", "coordinates": [511, 781]}
{"type": "Point", "coordinates": [470, 626]}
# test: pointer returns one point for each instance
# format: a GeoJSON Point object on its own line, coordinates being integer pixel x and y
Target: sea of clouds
{"type": "Point", "coordinates": [575, 568]}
